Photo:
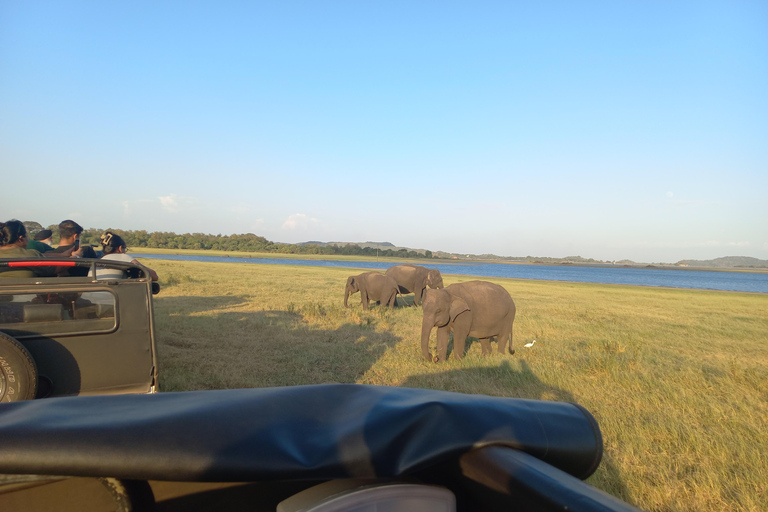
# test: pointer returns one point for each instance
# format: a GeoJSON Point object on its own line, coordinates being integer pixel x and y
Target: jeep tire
{"type": "Point", "coordinates": [18, 372]}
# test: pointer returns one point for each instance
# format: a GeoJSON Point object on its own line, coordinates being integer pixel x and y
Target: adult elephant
{"type": "Point", "coordinates": [476, 308]}
{"type": "Point", "coordinates": [372, 286]}
{"type": "Point", "coordinates": [415, 279]}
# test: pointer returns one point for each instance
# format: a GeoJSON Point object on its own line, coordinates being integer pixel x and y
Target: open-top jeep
{"type": "Point", "coordinates": [63, 336]}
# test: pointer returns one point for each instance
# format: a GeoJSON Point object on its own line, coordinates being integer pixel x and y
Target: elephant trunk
{"type": "Point", "coordinates": [426, 330]}
{"type": "Point", "coordinates": [346, 296]}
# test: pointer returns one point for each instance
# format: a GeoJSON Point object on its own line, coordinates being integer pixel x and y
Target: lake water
{"type": "Point", "coordinates": [670, 278]}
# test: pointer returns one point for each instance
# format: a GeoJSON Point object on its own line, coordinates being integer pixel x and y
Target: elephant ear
{"type": "Point", "coordinates": [434, 278]}
{"type": "Point", "coordinates": [458, 306]}
{"type": "Point", "coordinates": [351, 282]}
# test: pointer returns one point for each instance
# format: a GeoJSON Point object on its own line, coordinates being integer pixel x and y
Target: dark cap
{"type": "Point", "coordinates": [44, 234]}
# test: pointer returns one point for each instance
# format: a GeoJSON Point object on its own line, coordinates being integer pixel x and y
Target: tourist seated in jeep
{"type": "Point", "coordinates": [69, 246]}
{"type": "Point", "coordinates": [13, 244]}
{"type": "Point", "coordinates": [115, 249]}
{"type": "Point", "coordinates": [42, 241]}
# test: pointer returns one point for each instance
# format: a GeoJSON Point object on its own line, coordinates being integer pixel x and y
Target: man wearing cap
{"type": "Point", "coordinates": [42, 241]}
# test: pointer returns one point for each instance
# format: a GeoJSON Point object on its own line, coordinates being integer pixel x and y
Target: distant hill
{"type": "Point", "coordinates": [734, 262]}
{"type": "Point", "coordinates": [727, 262]}
{"type": "Point", "coordinates": [374, 245]}
{"type": "Point", "coordinates": [388, 245]}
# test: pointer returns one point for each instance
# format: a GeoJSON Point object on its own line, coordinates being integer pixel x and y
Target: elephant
{"type": "Point", "coordinates": [475, 308]}
{"type": "Point", "coordinates": [415, 279]}
{"type": "Point", "coordinates": [374, 286]}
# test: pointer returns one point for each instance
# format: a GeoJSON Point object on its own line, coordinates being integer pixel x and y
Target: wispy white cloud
{"type": "Point", "coordinates": [170, 203]}
{"type": "Point", "coordinates": [299, 221]}
{"type": "Point", "coordinates": [174, 203]}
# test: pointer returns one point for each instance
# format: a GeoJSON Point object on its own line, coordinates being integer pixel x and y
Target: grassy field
{"type": "Point", "coordinates": [677, 379]}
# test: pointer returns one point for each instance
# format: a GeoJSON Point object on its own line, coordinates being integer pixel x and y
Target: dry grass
{"type": "Point", "coordinates": [677, 379]}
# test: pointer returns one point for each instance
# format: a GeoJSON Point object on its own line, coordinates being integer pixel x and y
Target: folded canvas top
{"type": "Point", "coordinates": [289, 433]}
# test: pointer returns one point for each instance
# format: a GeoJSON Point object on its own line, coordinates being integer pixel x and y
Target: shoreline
{"type": "Point", "coordinates": [739, 282]}
{"type": "Point", "coordinates": [440, 261]}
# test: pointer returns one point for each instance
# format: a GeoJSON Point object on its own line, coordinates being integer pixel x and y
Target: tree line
{"type": "Point", "coordinates": [247, 242]}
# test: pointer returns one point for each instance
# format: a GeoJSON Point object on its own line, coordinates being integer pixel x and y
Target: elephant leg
{"type": "Point", "coordinates": [417, 296]}
{"type": "Point", "coordinates": [442, 342]}
{"type": "Point", "coordinates": [485, 343]}
{"type": "Point", "coordinates": [364, 297]}
{"type": "Point", "coordinates": [392, 300]}
{"type": "Point", "coordinates": [426, 332]}
{"type": "Point", "coordinates": [461, 327]}
{"type": "Point", "coordinates": [504, 336]}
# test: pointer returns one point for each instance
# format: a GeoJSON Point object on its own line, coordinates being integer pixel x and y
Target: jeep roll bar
{"type": "Point", "coordinates": [71, 262]}
{"type": "Point", "coordinates": [134, 270]}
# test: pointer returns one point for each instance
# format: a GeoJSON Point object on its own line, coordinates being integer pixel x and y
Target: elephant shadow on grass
{"type": "Point", "coordinates": [505, 380]}
{"type": "Point", "coordinates": [219, 343]}
{"type": "Point", "coordinates": [496, 380]}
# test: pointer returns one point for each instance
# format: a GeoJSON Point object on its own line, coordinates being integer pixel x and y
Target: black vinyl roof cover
{"type": "Point", "coordinates": [289, 433]}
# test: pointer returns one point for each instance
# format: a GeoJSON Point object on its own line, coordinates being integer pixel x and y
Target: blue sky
{"type": "Point", "coordinates": [610, 130]}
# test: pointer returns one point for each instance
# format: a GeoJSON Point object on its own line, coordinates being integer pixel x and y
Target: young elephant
{"type": "Point", "coordinates": [372, 286]}
{"type": "Point", "coordinates": [415, 279]}
{"type": "Point", "coordinates": [476, 308]}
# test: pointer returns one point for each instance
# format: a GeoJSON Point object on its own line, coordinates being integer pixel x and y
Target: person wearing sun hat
{"type": "Point", "coordinates": [42, 241]}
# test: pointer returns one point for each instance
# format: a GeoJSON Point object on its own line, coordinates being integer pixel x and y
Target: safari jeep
{"type": "Point", "coordinates": [65, 336]}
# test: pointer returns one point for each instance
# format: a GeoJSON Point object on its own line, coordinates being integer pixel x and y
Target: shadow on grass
{"type": "Point", "coordinates": [206, 343]}
{"type": "Point", "coordinates": [504, 380]}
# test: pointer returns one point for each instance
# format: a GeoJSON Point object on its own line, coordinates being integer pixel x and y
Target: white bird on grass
{"type": "Point", "coordinates": [529, 345]}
